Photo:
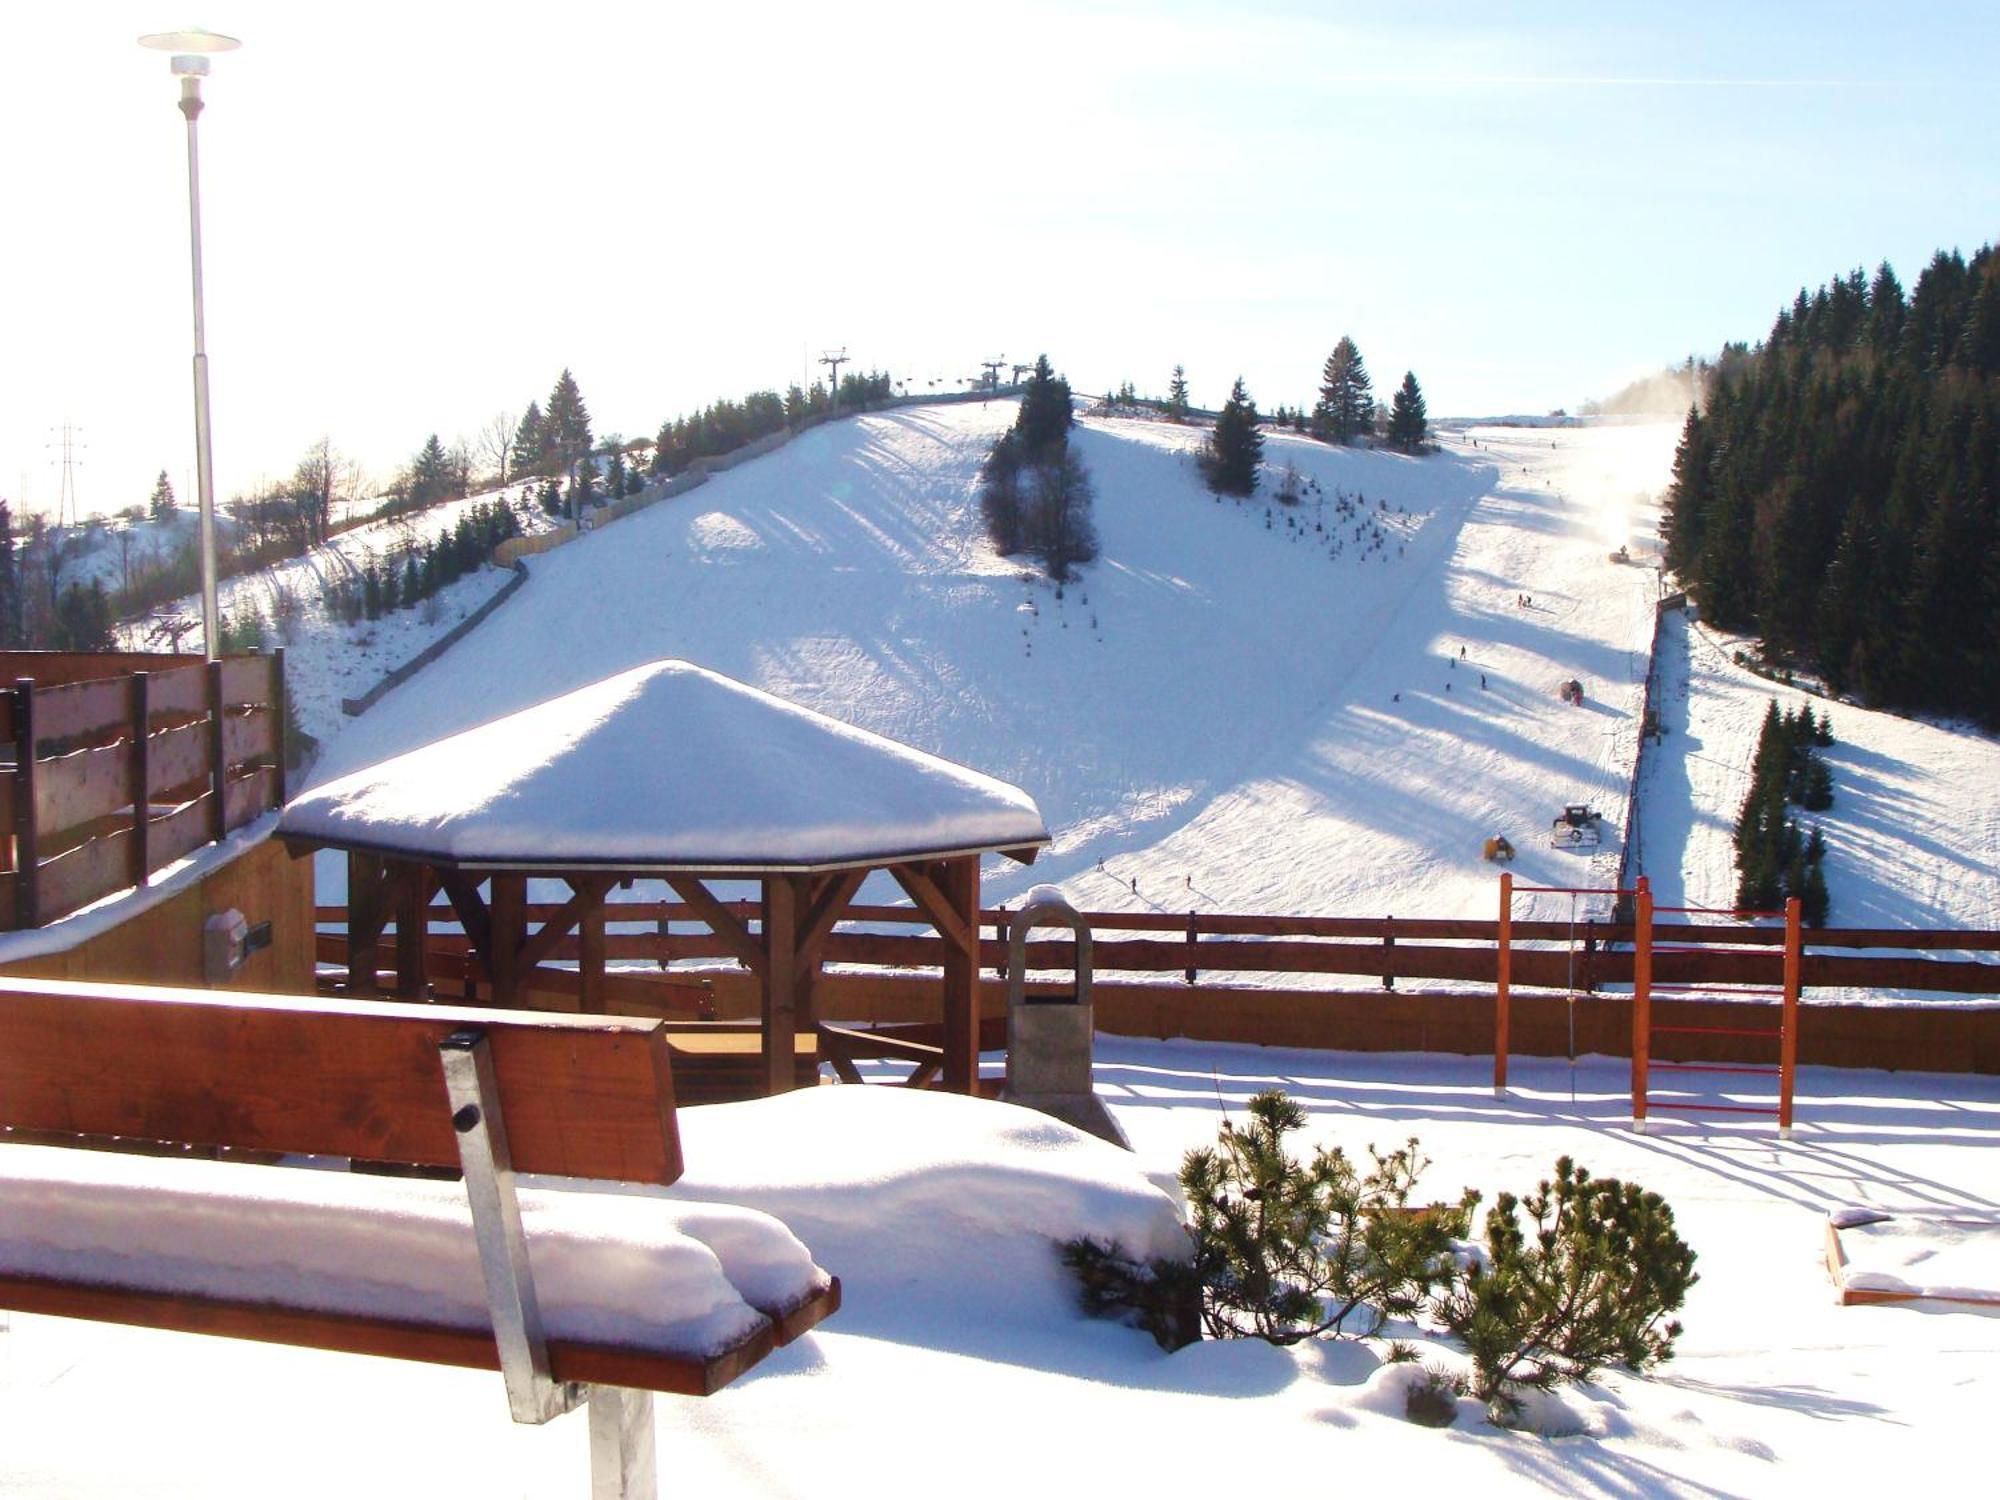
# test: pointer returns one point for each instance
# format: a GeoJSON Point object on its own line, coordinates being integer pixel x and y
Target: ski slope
{"type": "Point", "coordinates": [1241, 705]}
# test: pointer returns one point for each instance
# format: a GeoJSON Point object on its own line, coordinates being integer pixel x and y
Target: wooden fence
{"type": "Point", "coordinates": [123, 762]}
{"type": "Point", "coordinates": [1383, 950]}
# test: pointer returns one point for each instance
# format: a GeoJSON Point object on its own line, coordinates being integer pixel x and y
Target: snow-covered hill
{"type": "Point", "coordinates": [1241, 705]}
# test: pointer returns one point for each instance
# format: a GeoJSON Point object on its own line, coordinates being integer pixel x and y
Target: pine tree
{"type": "Point", "coordinates": [1177, 396]}
{"type": "Point", "coordinates": [1000, 495]}
{"type": "Point", "coordinates": [530, 449]}
{"type": "Point", "coordinates": [566, 428]}
{"type": "Point", "coordinates": [1060, 527]}
{"type": "Point", "coordinates": [1045, 416]}
{"type": "Point", "coordinates": [161, 506]}
{"type": "Point", "coordinates": [1345, 412]}
{"type": "Point", "coordinates": [1407, 425]}
{"type": "Point", "coordinates": [1235, 448]}
{"type": "Point", "coordinates": [432, 477]}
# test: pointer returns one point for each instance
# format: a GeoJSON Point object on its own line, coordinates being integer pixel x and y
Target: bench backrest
{"type": "Point", "coordinates": [582, 1096]}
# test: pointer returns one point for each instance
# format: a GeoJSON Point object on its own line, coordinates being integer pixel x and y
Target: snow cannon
{"type": "Point", "coordinates": [1498, 851]}
{"type": "Point", "coordinates": [1049, 1036]}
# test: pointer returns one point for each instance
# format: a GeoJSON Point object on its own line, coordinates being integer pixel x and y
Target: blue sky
{"type": "Point", "coordinates": [416, 215]}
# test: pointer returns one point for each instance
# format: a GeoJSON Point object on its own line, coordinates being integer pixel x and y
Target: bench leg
{"type": "Point", "coordinates": [621, 1444]}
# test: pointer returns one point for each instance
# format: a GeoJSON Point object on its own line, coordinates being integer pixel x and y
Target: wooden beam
{"type": "Point", "coordinates": [508, 912]}
{"type": "Point", "coordinates": [587, 892]}
{"type": "Point", "coordinates": [831, 895]}
{"type": "Point", "coordinates": [592, 991]}
{"type": "Point", "coordinates": [413, 921]}
{"type": "Point", "coordinates": [780, 980]}
{"type": "Point", "coordinates": [721, 921]}
{"type": "Point", "coordinates": [367, 913]}
{"type": "Point", "coordinates": [473, 916]}
{"type": "Point", "coordinates": [957, 929]}
{"type": "Point", "coordinates": [960, 888]}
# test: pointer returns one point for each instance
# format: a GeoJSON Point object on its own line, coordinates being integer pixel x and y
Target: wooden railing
{"type": "Point", "coordinates": [122, 763]}
{"type": "Point", "coordinates": [1383, 950]}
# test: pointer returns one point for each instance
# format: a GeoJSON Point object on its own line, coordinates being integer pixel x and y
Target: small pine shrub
{"type": "Point", "coordinates": [1286, 1249]}
{"type": "Point", "coordinates": [1594, 1283]}
{"type": "Point", "coordinates": [1433, 1400]}
{"type": "Point", "coordinates": [1161, 1296]}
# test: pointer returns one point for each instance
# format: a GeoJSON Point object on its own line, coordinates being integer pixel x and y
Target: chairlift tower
{"type": "Point", "coordinates": [992, 369]}
{"type": "Point", "coordinates": [834, 359]}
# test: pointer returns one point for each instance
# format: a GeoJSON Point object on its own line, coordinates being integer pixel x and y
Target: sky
{"type": "Point", "coordinates": [415, 216]}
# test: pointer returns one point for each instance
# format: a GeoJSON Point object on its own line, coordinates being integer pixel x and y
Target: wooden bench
{"type": "Point", "coordinates": [486, 1093]}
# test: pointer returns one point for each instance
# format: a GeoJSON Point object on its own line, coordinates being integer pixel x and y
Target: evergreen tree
{"type": "Point", "coordinates": [530, 449]}
{"type": "Point", "coordinates": [1346, 409]}
{"type": "Point", "coordinates": [1177, 396]}
{"type": "Point", "coordinates": [1000, 495]}
{"type": "Point", "coordinates": [1407, 424]}
{"type": "Point", "coordinates": [161, 506]}
{"type": "Point", "coordinates": [1235, 448]}
{"type": "Point", "coordinates": [1045, 416]}
{"type": "Point", "coordinates": [566, 427]}
{"type": "Point", "coordinates": [1059, 524]}
{"type": "Point", "coordinates": [432, 477]}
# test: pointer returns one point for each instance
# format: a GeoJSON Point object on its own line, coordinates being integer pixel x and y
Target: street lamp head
{"type": "Point", "coordinates": [191, 49]}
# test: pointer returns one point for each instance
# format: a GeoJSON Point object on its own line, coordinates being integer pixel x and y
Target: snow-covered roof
{"type": "Point", "coordinates": [667, 766]}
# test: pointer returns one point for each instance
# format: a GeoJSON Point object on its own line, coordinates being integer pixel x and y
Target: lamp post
{"type": "Point", "coordinates": [191, 50]}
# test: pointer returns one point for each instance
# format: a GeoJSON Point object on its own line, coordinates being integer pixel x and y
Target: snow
{"type": "Point", "coordinates": [666, 765]}
{"type": "Point", "coordinates": [326, 659]}
{"type": "Point", "coordinates": [617, 1270]}
{"type": "Point", "coordinates": [1921, 1253]}
{"type": "Point", "coordinates": [959, 1353]}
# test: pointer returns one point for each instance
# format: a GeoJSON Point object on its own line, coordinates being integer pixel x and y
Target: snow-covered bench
{"type": "Point", "coordinates": [573, 1294]}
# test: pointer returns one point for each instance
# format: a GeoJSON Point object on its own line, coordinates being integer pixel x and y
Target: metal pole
{"type": "Point", "coordinates": [203, 458]}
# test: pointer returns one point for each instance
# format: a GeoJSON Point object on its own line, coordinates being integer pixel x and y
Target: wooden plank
{"type": "Point", "coordinates": [832, 894]}
{"type": "Point", "coordinates": [583, 1096]}
{"type": "Point", "coordinates": [218, 762]}
{"type": "Point", "coordinates": [248, 737]}
{"type": "Point", "coordinates": [82, 786]}
{"type": "Point", "coordinates": [177, 758]}
{"type": "Point", "coordinates": [81, 710]}
{"type": "Point", "coordinates": [724, 922]}
{"type": "Point", "coordinates": [6, 800]}
{"type": "Point", "coordinates": [246, 679]}
{"type": "Point", "coordinates": [180, 832]}
{"type": "Point", "coordinates": [958, 884]}
{"type": "Point", "coordinates": [779, 990]}
{"type": "Point", "coordinates": [138, 775]}
{"type": "Point", "coordinates": [180, 690]}
{"type": "Point", "coordinates": [473, 1348]}
{"type": "Point", "coordinates": [250, 797]}
{"type": "Point", "coordinates": [651, 995]}
{"type": "Point", "coordinates": [587, 892]}
{"type": "Point", "coordinates": [936, 906]}
{"type": "Point", "coordinates": [79, 876]}
{"type": "Point", "coordinates": [27, 851]}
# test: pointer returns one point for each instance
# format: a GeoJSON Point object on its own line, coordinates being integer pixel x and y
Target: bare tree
{"type": "Point", "coordinates": [314, 484]}
{"type": "Point", "coordinates": [496, 442]}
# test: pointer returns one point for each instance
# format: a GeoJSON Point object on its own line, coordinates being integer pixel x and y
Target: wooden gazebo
{"type": "Point", "coordinates": [668, 772]}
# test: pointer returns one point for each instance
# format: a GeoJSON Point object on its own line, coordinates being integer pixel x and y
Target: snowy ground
{"type": "Point", "coordinates": [1243, 705]}
{"type": "Point", "coordinates": [942, 1349]}
{"type": "Point", "coordinates": [326, 659]}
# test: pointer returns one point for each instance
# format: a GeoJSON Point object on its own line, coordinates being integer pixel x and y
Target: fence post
{"type": "Point", "coordinates": [1388, 953]}
{"type": "Point", "coordinates": [279, 719]}
{"type": "Point", "coordinates": [1642, 1001]}
{"type": "Point", "coordinates": [1788, 1041]}
{"type": "Point", "coordinates": [1191, 949]}
{"type": "Point", "coordinates": [1503, 989]}
{"type": "Point", "coordinates": [218, 765]}
{"type": "Point", "coordinates": [139, 768]}
{"type": "Point", "coordinates": [27, 854]}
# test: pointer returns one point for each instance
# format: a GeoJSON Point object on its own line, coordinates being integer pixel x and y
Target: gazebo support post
{"type": "Point", "coordinates": [367, 914]}
{"type": "Point", "coordinates": [413, 921]}
{"type": "Point", "coordinates": [961, 978]}
{"type": "Point", "coordinates": [780, 996]}
{"type": "Point", "coordinates": [590, 960]}
{"type": "Point", "coordinates": [507, 917]}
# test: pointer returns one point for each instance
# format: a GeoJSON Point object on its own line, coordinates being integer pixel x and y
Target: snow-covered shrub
{"type": "Point", "coordinates": [1432, 1399]}
{"type": "Point", "coordinates": [1284, 1248]}
{"type": "Point", "coordinates": [1590, 1281]}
